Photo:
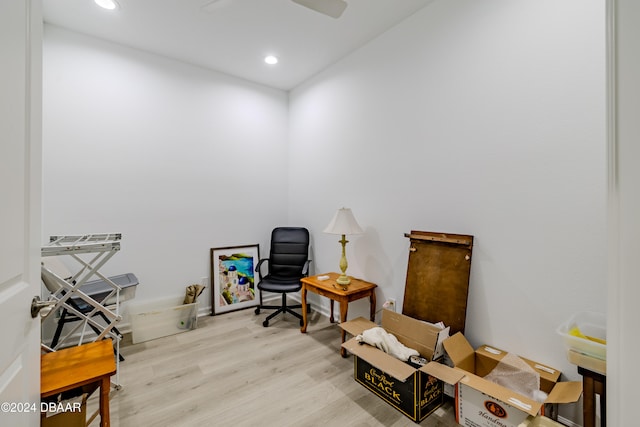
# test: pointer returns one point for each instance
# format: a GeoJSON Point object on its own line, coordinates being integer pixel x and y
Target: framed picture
{"type": "Point", "coordinates": [233, 278]}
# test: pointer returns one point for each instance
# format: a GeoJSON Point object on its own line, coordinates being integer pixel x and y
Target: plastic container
{"type": "Point", "coordinates": [589, 324]}
{"type": "Point", "coordinates": [161, 317]}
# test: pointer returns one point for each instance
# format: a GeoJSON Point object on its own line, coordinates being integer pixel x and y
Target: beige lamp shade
{"type": "Point", "coordinates": [343, 222]}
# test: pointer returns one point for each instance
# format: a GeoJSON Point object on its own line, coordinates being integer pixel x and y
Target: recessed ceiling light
{"type": "Point", "coordinates": [271, 60]}
{"type": "Point", "coordinates": [107, 4]}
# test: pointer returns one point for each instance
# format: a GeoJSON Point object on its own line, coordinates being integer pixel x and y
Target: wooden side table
{"type": "Point", "coordinates": [331, 289]}
{"type": "Point", "coordinates": [88, 365]}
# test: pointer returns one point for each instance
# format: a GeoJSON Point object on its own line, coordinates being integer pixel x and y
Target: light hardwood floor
{"type": "Point", "coordinates": [231, 371]}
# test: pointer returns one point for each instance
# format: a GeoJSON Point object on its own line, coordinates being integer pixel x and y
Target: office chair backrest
{"type": "Point", "coordinates": [289, 252]}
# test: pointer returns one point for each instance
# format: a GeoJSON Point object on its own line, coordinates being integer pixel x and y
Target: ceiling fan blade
{"type": "Point", "coordinates": [333, 8]}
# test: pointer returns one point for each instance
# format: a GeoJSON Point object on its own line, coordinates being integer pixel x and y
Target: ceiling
{"type": "Point", "coordinates": [233, 36]}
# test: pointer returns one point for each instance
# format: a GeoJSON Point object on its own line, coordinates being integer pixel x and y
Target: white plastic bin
{"type": "Point", "coordinates": [590, 324]}
{"type": "Point", "coordinates": [161, 317]}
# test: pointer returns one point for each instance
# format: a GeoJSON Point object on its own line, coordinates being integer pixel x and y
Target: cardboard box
{"type": "Point", "coordinates": [68, 413]}
{"type": "Point", "coordinates": [410, 390]}
{"type": "Point", "coordinates": [482, 403]}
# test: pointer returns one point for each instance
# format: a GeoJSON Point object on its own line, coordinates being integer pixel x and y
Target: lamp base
{"type": "Point", "coordinates": [343, 280]}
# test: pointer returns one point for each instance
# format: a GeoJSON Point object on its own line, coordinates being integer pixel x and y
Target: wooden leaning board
{"type": "Point", "coordinates": [437, 282]}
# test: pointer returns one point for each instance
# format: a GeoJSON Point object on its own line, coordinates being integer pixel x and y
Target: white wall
{"type": "Point", "coordinates": [483, 118]}
{"type": "Point", "coordinates": [177, 158]}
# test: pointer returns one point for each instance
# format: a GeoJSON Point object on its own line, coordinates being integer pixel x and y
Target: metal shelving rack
{"type": "Point", "coordinates": [97, 249]}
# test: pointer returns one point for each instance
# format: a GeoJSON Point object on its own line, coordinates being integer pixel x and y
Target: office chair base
{"type": "Point", "coordinates": [284, 308]}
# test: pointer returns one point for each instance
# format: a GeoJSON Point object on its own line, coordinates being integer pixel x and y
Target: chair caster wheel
{"type": "Point", "coordinates": [265, 323]}
{"type": "Point", "coordinates": [257, 310]}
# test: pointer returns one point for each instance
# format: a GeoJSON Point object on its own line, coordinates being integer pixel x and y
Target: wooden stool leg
{"type": "Point", "coordinates": [601, 389]}
{"type": "Point", "coordinates": [593, 383]}
{"type": "Point", "coordinates": [603, 405]}
{"type": "Point", "coordinates": [105, 388]}
{"type": "Point", "coordinates": [588, 404]}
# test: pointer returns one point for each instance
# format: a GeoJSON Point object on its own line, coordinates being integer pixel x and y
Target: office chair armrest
{"type": "Point", "coordinates": [259, 265]}
{"type": "Point", "coordinates": [305, 268]}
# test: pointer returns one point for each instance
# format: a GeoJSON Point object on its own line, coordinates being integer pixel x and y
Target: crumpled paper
{"type": "Point", "coordinates": [515, 374]}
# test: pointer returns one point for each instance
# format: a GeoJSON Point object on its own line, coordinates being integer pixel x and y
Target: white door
{"type": "Point", "coordinates": [20, 174]}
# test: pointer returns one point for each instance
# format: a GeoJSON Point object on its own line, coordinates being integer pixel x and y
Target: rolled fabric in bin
{"type": "Point", "coordinates": [192, 293]}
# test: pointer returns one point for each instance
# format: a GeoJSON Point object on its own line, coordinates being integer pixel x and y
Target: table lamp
{"type": "Point", "coordinates": [343, 223]}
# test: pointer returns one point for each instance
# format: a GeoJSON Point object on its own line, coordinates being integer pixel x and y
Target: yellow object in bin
{"type": "Point", "coordinates": [575, 331]}
{"type": "Point", "coordinates": [586, 333]}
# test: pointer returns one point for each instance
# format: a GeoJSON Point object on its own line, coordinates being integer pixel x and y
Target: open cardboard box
{"type": "Point", "coordinates": [71, 412]}
{"type": "Point", "coordinates": [410, 390]}
{"type": "Point", "coordinates": [480, 402]}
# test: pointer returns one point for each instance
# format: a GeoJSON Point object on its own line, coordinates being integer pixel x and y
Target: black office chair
{"type": "Point", "coordinates": [288, 262]}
